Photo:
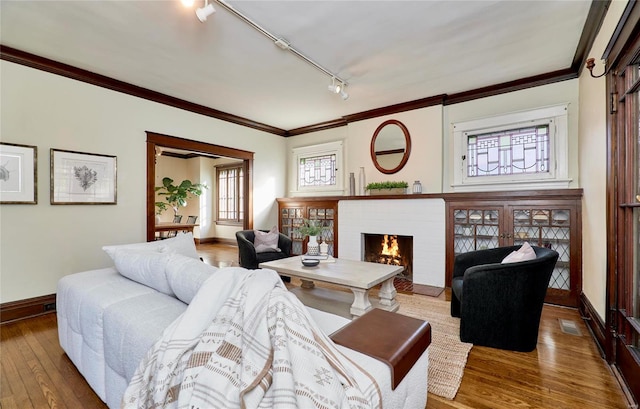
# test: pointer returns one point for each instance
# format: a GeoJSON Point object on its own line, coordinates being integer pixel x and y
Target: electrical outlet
{"type": "Point", "coordinates": [50, 307]}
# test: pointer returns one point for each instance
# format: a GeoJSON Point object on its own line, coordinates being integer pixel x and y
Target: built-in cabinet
{"type": "Point", "coordinates": [293, 211]}
{"type": "Point", "coordinates": [549, 218]}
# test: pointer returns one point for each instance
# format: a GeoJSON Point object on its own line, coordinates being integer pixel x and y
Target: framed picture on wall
{"type": "Point", "coordinates": [82, 178]}
{"type": "Point", "coordinates": [18, 174]}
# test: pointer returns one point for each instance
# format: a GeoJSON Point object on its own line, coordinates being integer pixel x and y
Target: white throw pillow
{"type": "Point", "coordinates": [265, 242]}
{"type": "Point", "coordinates": [186, 275]}
{"type": "Point", "coordinates": [144, 267]}
{"type": "Point", "coordinates": [183, 244]}
{"type": "Point", "coordinates": [524, 253]}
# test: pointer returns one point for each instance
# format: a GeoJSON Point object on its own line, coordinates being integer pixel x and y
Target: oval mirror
{"type": "Point", "coordinates": [390, 146]}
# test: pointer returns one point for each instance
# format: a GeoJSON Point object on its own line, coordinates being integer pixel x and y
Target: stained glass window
{"type": "Point", "coordinates": [509, 152]}
{"type": "Point", "coordinates": [317, 171]}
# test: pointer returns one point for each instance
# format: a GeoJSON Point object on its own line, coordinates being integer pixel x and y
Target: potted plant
{"type": "Point", "coordinates": [176, 195]}
{"type": "Point", "coordinates": [311, 228]}
{"type": "Point", "coordinates": [387, 188]}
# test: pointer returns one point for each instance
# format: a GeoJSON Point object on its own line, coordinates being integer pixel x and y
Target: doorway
{"type": "Point", "coordinates": [165, 141]}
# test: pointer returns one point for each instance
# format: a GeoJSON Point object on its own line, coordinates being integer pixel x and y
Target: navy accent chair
{"type": "Point", "coordinates": [499, 305]}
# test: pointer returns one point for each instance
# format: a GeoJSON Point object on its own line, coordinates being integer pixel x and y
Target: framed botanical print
{"type": "Point", "coordinates": [18, 174]}
{"type": "Point", "coordinates": [82, 178]}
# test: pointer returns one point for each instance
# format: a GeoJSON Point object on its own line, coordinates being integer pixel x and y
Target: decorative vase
{"type": "Point", "coordinates": [352, 184]}
{"type": "Point", "coordinates": [417, 187]}
{"type": "Point", "coordinates": [324, 248]}
{"type": "Point", "coordinates": [157, 218]}
{"type": "Point", "coordinates": [313, 249]}
{"type": "Point", "coordinates": [362, 184]}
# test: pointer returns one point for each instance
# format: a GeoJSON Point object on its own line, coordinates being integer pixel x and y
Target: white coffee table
{"type": "Point", "coordinates": [358, 276]}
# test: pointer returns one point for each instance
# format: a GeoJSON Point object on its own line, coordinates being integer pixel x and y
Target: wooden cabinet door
{"type": "Point", "coordinates": [292, 214]}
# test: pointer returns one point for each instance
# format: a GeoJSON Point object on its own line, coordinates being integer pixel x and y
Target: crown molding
{"type": "Point", "coordinates": [65, 70]}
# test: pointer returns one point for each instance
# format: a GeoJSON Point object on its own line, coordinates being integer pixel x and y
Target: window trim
{"type": "Point", "coordinates": [330, 148]}
{"type": "Point", "coordinates": [230, 222]}
{"type": "Point", "coordinates": [558, 175]}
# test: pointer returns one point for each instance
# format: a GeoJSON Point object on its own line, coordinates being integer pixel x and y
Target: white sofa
{"type": "Point", "coordinates": [107, 321]}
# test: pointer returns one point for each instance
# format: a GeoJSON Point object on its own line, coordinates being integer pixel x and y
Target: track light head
{"type": "Point", "coordinates": [203, 12]}
{"type": "Point", "coordinates": [344, 95]}
{"type": "Point", "coordinates": [335, 86]}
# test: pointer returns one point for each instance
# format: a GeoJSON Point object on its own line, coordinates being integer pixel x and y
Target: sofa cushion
{"type": "Point", "coordinates": [524, 253]}
{"type": "Point", "coordinates": [266, 242]}
{"type": "Point", "coordinates": [144, 267]}
{"type": "Point", "coordinates": [183, 244]}
{"type": "Point", "coordinates": [186, 275]}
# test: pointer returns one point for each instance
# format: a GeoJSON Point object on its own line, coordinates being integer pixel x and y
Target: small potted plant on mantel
{"type": "Point", "coordinates": [387, 188]}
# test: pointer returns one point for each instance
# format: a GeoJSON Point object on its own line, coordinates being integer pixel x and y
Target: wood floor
{"type": "Point", "coordinates": [565, 371]}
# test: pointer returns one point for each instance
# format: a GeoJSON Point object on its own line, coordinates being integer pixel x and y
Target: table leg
{"type": "Point", "coordinates": [308, 284]}
{"type": "Point", "coordinates": [361, 303]}
{"type": "Point", "coordinates": [387, 296]}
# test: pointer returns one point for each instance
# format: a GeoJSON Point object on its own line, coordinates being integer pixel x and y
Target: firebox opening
{"type": "Point", "coordinates": [390, 249]}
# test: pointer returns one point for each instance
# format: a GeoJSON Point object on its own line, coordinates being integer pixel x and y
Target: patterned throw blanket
{"type": "Point", "coordinates": [246, 342]}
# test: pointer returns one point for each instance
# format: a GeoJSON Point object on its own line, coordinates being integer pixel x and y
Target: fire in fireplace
{"type": "Point", "coordinates": [390, 249]}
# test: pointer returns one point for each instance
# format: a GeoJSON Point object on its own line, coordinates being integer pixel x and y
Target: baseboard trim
{"type": "Point", "coordinates": [27, 308]}
{"type": "Point", "coordinates": [212, 240]}
{"type": "Point", "coordinates": [593, 321]}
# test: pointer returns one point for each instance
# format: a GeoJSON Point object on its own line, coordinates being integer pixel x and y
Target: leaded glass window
{"type": "Point", "coordinates": [230, 194]}
{"type": "Point", "coordinates": [317, 171]}
{"type": "Point", "coordinates": [509, 152]}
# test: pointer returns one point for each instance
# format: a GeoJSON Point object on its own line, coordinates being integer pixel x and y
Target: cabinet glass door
{"type": "Point", "coordinates": [327, 215]}
{"type": "Point", "coordinates": [290, 220]}
{"type": "Point", "coordinates": [549, 228]}
{"type": "Point", "coordinates": [476, 229]}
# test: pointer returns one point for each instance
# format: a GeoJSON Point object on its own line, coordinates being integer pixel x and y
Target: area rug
{"type": "Point", "coordinates": [447, 354]}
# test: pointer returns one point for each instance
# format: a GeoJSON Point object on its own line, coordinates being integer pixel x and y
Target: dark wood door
{"type": "Point", "coordinates": [623, 204]}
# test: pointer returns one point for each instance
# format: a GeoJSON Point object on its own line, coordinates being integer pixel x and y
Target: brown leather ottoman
{"type": "Point", "coordinates": [394, 339]}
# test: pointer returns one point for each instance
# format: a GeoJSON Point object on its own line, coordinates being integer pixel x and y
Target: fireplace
{"type": "Point", "coordinates": [390, 249]}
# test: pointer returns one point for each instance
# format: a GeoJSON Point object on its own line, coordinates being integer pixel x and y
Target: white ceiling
{"type": "Point", "coordinates": [389, 51]}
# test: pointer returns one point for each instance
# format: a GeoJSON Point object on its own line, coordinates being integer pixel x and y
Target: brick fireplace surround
{"type": "Point", "coordinates": [424, 219]}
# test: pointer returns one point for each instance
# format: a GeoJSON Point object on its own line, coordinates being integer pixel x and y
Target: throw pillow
{"type": "Point", "coordinates": [266, 242]}
{"type": "Point", "coordinates": [524, 253]}
{"type": "Point", "coordinates": [183, 244]}
{"type": "Point", "coordinates": [144, 267]}
{"type": "Point", "coordinates": [185, 276]}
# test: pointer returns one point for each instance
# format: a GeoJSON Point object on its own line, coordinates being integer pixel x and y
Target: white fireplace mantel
{"type": "Point", "coordinates": [424, 219]}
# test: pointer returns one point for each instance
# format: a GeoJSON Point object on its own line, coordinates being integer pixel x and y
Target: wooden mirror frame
{"type": "Point", "coordinates": [407, 149]}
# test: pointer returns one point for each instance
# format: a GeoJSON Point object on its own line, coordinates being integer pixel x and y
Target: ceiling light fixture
{"type": "Point", "coordinates": [286, 46]}
{"type": "Point", "coordinates": [335, 87]}
{"type": "Point", "coordinates": [203, 12]}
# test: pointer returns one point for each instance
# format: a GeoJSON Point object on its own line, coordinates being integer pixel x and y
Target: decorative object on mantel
{"type": "Point", "coordinates": [387, 188]}
{"type": "Point", "coordinates": [352, 184]}
{"type": "Point", "coordinates": [361, 182]}
{"type": "Point", "coordinates": [417, 187]}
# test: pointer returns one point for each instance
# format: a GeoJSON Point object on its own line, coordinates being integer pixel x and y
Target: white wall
{"type": "Point", "coordinates": [41, 243]}
{"type": "Point", "coordinates": [593, 167]}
